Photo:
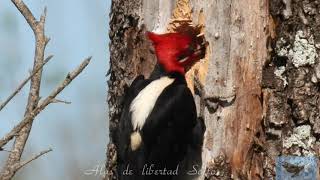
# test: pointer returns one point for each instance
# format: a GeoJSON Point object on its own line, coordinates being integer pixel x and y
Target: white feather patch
{"type": "Point", "coordinates": [135, 140]}
{"type": "Point", "coordinates": [144, 102]}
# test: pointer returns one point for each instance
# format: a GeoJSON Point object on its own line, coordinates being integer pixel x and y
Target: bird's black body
{"type": "Point", "coordinates": [168, 134]}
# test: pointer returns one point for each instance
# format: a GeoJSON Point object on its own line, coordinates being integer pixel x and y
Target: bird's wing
{"type": "Point", "coordinates": [125, 126]}
{"type": "Point", "coordinates": [168, 129]}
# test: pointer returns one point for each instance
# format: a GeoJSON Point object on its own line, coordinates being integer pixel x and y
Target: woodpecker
{"type": "Point", "coordinates": [158, 125]}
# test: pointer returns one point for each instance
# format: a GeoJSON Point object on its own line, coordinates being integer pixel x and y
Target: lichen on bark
{"type": "Point", "coordinates": [292, 118]}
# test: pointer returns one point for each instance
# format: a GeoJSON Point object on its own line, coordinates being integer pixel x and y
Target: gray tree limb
{"type": "Point", "coordinates": [24, 82]}
{"type": "Point", "coordinates": [33, 108]}
{"type": "Point", "coordinates": [9, 169]}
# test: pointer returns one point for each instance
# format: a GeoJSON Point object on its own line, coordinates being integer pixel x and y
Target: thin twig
{"type": "Point", "coordinates": [8, 170]}
{"type": "Point", "coordinates": [24, 82]}
{"type": "Point", "coordinates": [34, 157]}
{"type": "Point", "coordinates": [1, 149]}
{"type": "Point", "coordinates": [33, 108]}
{"type": "Point", "coordinates": [60, 101]}
{"type": "Point", "coordinates": [29, 117]}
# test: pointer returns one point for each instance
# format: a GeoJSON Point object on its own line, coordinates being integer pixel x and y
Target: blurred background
{"type": "Point", "coordinates": [77, 133]}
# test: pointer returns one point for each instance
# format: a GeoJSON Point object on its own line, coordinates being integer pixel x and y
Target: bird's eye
{"type": "Point", "coordinates": [191, 48]}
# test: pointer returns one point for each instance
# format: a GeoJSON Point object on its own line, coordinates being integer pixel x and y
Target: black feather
{"type": "Point", "coordinates": [170, 134]}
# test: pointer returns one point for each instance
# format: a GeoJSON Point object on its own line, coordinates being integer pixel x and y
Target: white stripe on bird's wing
{"type": "Point", "coordinates": [143, 103]}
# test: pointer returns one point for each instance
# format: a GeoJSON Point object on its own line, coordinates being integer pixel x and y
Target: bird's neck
{"type": "Point", "coordinates": [159, 71]}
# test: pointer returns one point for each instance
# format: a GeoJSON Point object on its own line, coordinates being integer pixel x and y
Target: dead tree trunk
{"type": "Point", "coordinates": [260, 67]}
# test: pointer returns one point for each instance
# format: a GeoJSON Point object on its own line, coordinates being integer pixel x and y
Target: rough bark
{"type": "Point", "coordinates": [260, 87]}
{"type": "Point", "coordinates": [291, 81]}
{"type": "Point", "coordinates": [129, 56]}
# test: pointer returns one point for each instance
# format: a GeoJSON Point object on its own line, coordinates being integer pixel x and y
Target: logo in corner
{"type": "Point", "coordinates": [296, 168]}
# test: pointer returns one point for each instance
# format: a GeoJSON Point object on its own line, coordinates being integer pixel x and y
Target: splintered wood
{"type": "Point", "coordinates": [181, 21]}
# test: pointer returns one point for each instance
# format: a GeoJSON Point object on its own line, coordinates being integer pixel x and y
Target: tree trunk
{"type": "Point", "coordinates": [260, 77]}
{"type": "Point", "coordinates": [291, 81]}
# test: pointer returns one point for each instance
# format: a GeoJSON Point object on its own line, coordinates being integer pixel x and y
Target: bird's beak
{"type": "Point", "coordinates": [201, 49]}
{"type": "Point", "coordinates": [198, 52]}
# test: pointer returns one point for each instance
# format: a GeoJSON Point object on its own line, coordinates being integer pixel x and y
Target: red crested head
{"type": "Point", "coordinates": [175, 51]}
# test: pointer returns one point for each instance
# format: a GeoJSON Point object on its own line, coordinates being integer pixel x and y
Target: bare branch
{"type": "Point", "coordinates": [8, 170]}
{"type": "Point", "coordinates": [60, 101]}
{"type": "Point", "coordinates": [1, 149]}
{"type": "Point", "coordinates": [43, 16]}
{"type": "Point", "coordinates": [24, 82]}
{"type": "Point", "coordinates": [34, 157]}
{"type": "Point", "coordinates": [33, 108]}
{"type": "Point", "coordinates": [25, 11]}
{"type": "Point", "coordinates": [29, 117]}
